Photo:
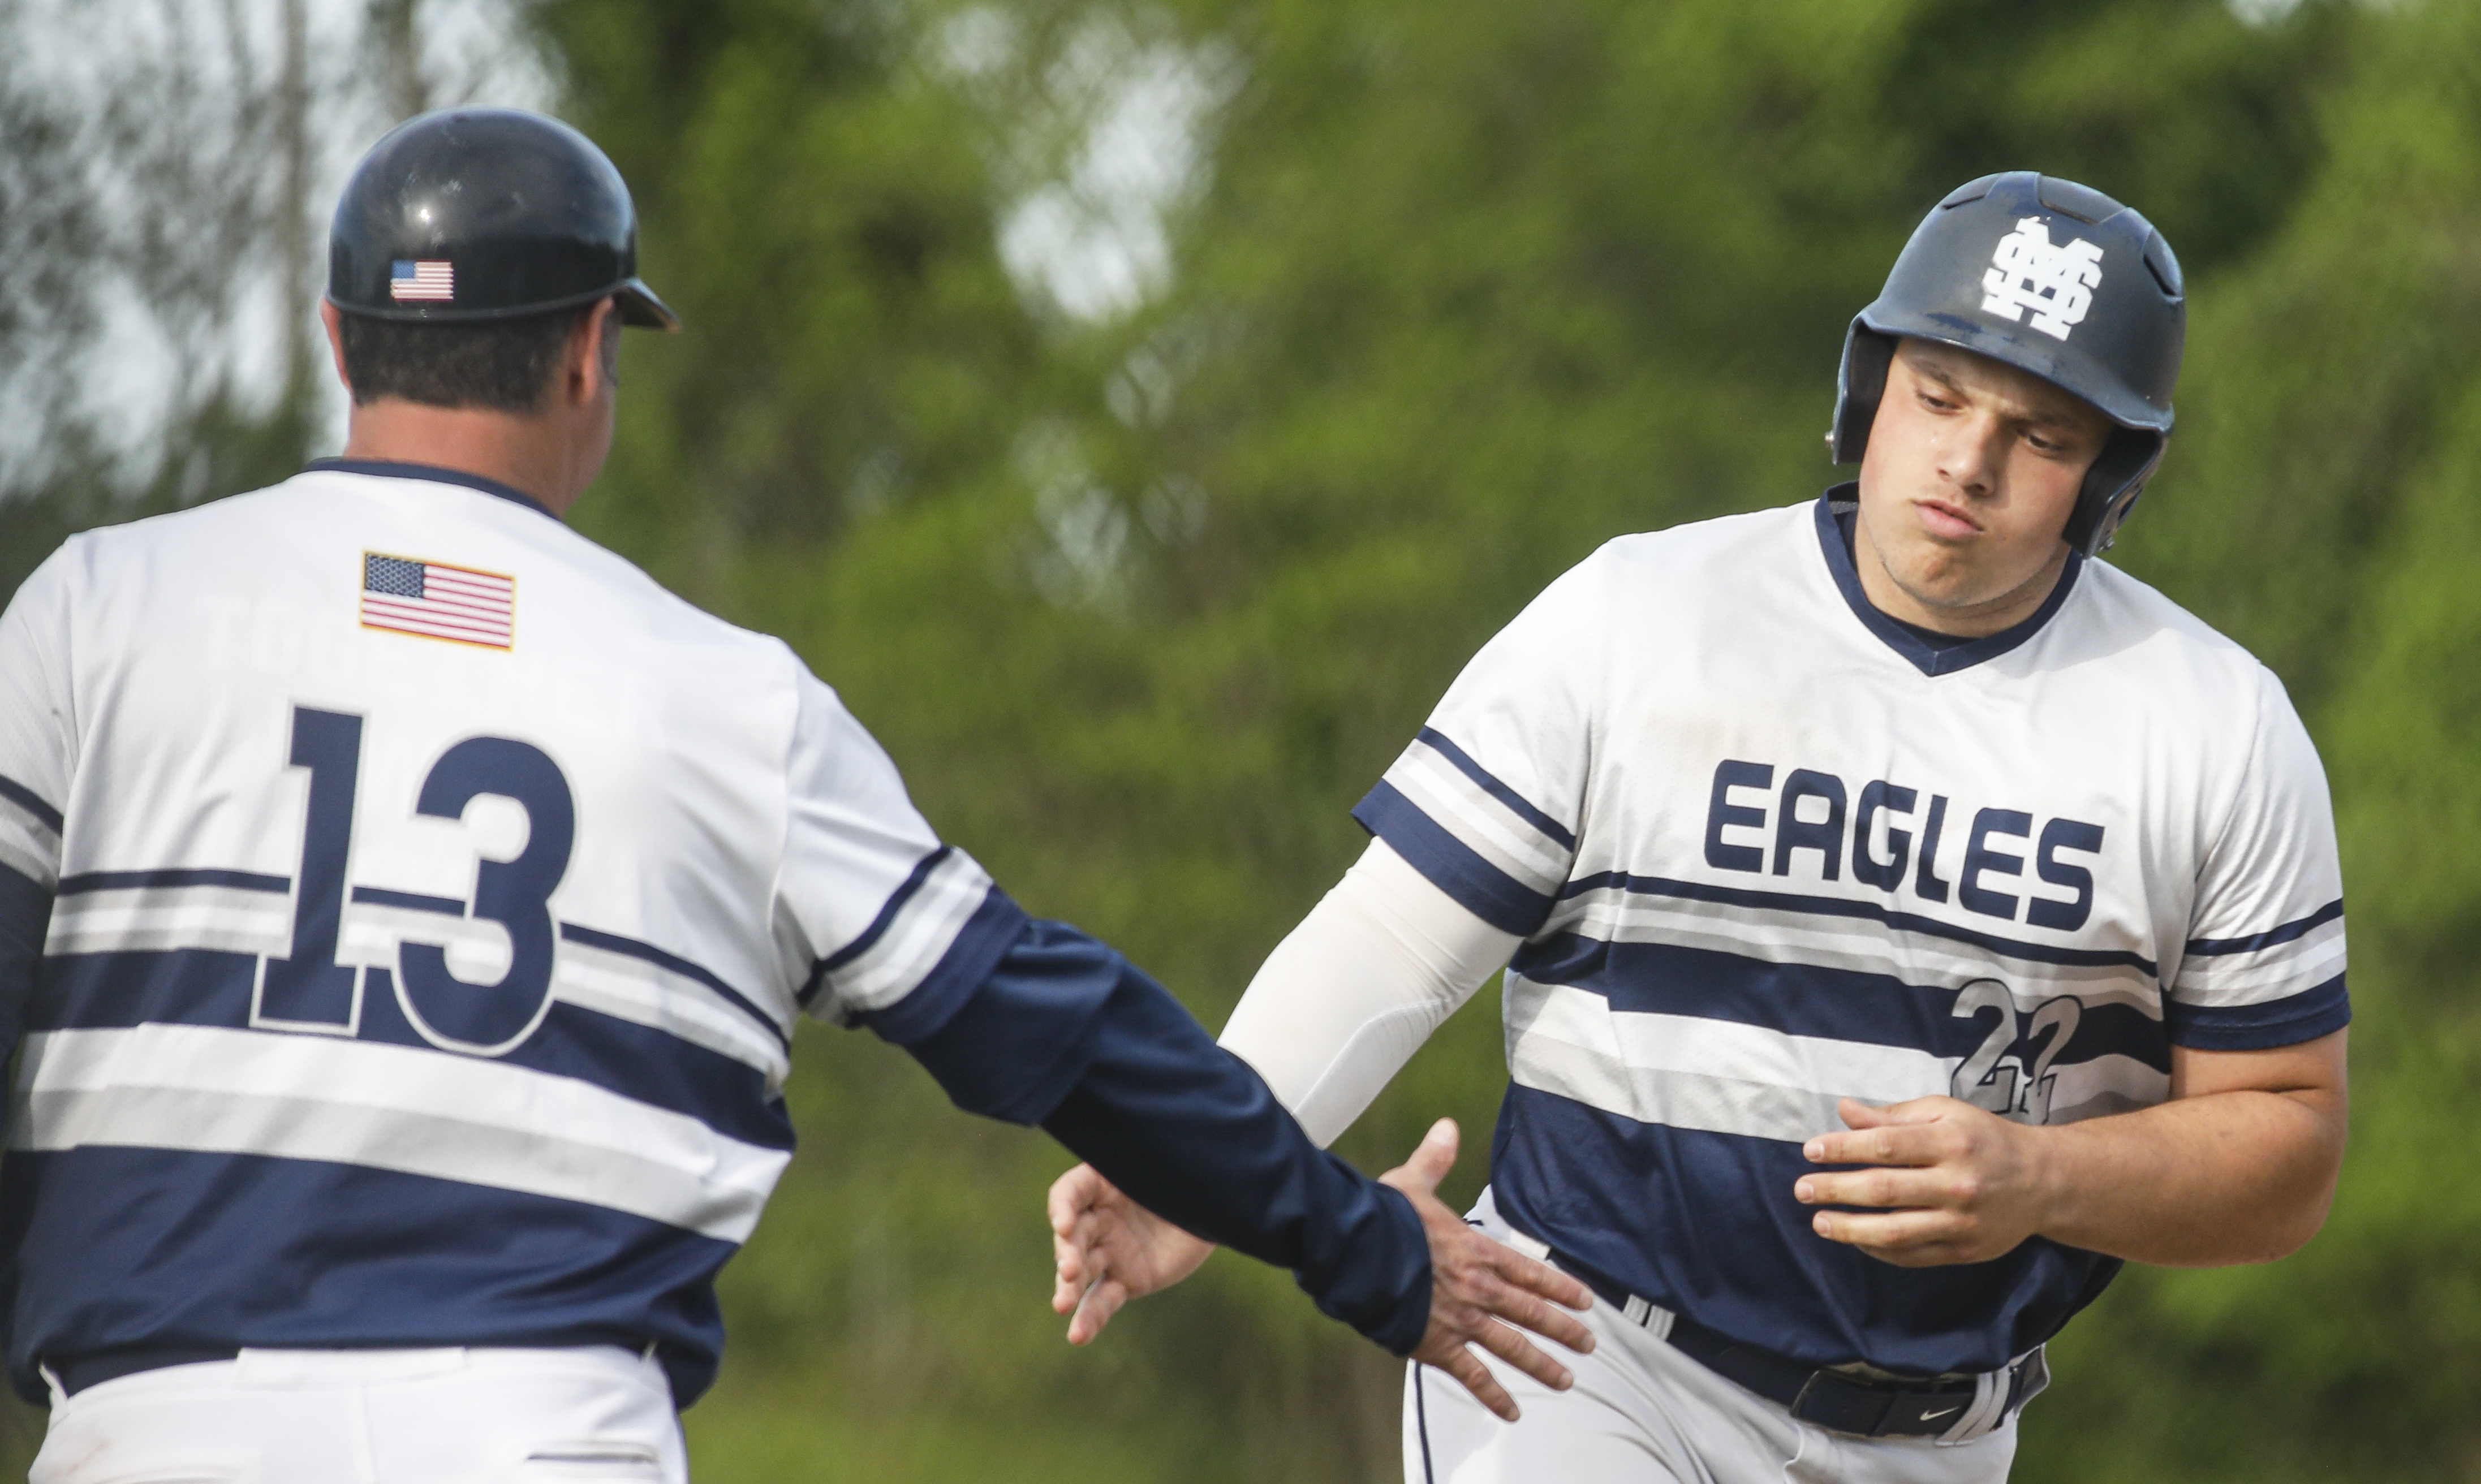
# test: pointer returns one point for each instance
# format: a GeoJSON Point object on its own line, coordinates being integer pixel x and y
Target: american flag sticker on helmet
{"type": "Point", "coordinates": [422, 278]}
{"type": "Point", "coordinates": [405, 595]}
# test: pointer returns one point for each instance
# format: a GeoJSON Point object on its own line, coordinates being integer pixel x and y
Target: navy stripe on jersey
{"type": "Point", "coordinates": [30, 801]}
{"type": "Point", "coordinates": [205, 987]}
{"type": "Point", "coordinates": [1517, 803]}
{"type": "Point", "coordinates": [1864, 911]}
{"type": "Point", "coordinates": [2289, 932]}
{"type": "Point", "coordinates": [995, 928]}
{"type": "Point", "coordinates": [129, 880]}
{"type": "Point", "coordinates": [1834, 543]}
{"type": "Point", "coordinates": [2247, 1028]}
{"type": "Point", "coordinates": [647, 953]}
{"type": "Point", "coordinates": [1481, 888]}
{"type": "Point", "coordinates": [412, 901]}
{"type": "Point", "coordinates": [1705, 1224]}
{"type": "Point", "coordinates": [394, 469]}
{"type": "Point", "coordinates": [131, 1246]}
{"type": "Point", "coordinates": [888, 912]}
{"type": "Point", "coordinates": [1803, 1000]}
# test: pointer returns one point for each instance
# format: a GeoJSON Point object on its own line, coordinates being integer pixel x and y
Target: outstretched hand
{"type": "Point", "coordinates": [1110, 1249]}
{"type": "Point", "coordinates": [1484, 1292]}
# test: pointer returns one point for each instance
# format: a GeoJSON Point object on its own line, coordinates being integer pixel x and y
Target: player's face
{"type": "Point", "coordinates": [1971, 474]}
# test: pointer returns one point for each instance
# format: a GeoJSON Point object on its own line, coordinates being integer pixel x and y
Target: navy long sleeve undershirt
{"type": "Point", "coordinates": [1067, 1034]}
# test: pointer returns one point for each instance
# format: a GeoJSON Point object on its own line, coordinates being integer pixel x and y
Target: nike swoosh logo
{"type": "Point", "coordinates": [1932, 1416]}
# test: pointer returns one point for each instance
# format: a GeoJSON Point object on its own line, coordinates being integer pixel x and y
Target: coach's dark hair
{"type": "Point", "coordinates": [503, 365]}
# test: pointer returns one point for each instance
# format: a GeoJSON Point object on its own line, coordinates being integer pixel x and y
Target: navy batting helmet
{"type": "Point", "coordinates": [487, 213]}
{"type": "Point", "coordinates": [2050, 277]}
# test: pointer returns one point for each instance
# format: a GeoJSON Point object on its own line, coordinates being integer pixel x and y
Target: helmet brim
{"type": "Point", "coordinates": [641, 307]}
{"type": "Point", "coordinates": [2109, 396]}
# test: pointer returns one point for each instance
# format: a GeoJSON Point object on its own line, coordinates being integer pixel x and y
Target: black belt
{"type": "Point", "coordinates": [76, 1375]}
{"type": "Point", "coordinates": [1829, 1398]}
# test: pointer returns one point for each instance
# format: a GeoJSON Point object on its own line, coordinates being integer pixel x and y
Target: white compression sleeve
{"type": "Point", "coordinates": [1344, 1001]}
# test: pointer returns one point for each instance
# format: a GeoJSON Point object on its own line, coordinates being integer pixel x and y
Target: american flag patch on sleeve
{"type": "Point", "coordinates": [407, 596]}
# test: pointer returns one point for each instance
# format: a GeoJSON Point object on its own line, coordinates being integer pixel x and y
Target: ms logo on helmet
{"type": "Point", "coordinates": [2027, 271]}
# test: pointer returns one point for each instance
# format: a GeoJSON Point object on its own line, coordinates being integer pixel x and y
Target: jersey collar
{"type": "Point", "coordinates": [1928, 659]}
{"type": "Point", "coordinates": [394, 469]}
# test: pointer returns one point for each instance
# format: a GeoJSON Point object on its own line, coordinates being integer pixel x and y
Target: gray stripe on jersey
{"type": "Point", "coordinates": [2256, 976]}
{"type": "Point", "coordinates": [913, 943]}
{"type": "Point", "coordinates": [1725, 1077]}
{"type": "Point", "coordinates": [391, 1107]}
{"type": "Point", "coordinates": [157, 919]}
{"type": "Point", "coordinates": [1485, 824]}
{"type": "Point", "coordinates": [646, 994]}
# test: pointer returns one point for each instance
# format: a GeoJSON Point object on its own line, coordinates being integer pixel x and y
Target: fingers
{"type": "Point", "coordinates": [1518, 1308]}
{"type": "Point", "coordinates": [1518, 1351]}
{"type": "Point", "coordinates": [1094, 1310]}
{"type": "Point", "coordinates": [1911, 1238]}
{"type": "Point", "coordinates": [1429, 1163]}
{"type": "Point", "coordinates": [1857, 1114]}
{"type": "Point", "coordinates": [1080, 1190]}
{"type": "Point", "coordinates": [1907, 1144]}
{"type": "Point", "coordinates": [1474, 1376]}
{"type": "Point", "coordinates": [1524, 1272]}
{"type": "Point", "coordinates": [1480, 1288]}
{"type": "Point", "coordinates": [1885, 1187]}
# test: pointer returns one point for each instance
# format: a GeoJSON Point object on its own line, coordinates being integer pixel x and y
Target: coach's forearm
{"type": "Point", "coordinates": [1191, 1133]}
{"type": "Point", "coordinates": [2202, 1182]}
{"type": "Point", "coordinates": [1066, 1032]}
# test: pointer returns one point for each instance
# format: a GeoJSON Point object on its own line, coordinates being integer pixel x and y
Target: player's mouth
{"type": "Point", "coordinates": [1946, 521]}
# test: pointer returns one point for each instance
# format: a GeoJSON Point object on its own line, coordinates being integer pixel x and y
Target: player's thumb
{"type": "Point", "coordinates": [1430, 1161]}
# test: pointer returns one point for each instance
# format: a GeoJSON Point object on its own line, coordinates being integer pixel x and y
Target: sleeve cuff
{"type": "Point", "coordinates": [1387, 1301]}
{"type": "Point", "coordinates": [2248, 1027]}
{"type": "Point", "coordinates": [971, 955]}
{"type": "Point", "coordinates": [1454, 867]}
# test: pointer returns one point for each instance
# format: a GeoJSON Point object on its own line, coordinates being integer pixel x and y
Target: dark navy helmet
{"type": "Point", "coordinates": [487, 213]}
{"type": "Point", "coordinates": [2054, 279]}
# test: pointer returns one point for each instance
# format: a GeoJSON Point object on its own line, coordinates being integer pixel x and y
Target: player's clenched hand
{"type": "Point", "coordinates": [1483, 1292]}
{"type": "Point", "coordinates": [1108, 1250]}
{"type": "Point", "coordinates": [1948, 1182]}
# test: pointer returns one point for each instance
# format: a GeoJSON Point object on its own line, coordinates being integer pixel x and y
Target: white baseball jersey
{"type": "Point", "coordinates": [1769, 847]}
{"type": "Point", "coordinates": [426, 900]}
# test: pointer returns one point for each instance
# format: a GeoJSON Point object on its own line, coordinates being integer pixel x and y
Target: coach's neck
{"type": "Point", "coordinates": [549, 455]}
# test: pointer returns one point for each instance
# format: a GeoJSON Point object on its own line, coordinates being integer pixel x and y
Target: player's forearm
{"type": "Point", "coordinates": [1350, 994]}
{"type": "Point", "coordinates": [2243, 1175]}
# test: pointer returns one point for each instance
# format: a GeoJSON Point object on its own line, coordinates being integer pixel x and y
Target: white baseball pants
{"type": "Point", "coordinates": [373, 1416]}
{"type": "Point", "coordinates": [1644, 1413]}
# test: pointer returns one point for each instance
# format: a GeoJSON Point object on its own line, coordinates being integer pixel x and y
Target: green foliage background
{"type": "Point", "coordinates": [1142, 605]}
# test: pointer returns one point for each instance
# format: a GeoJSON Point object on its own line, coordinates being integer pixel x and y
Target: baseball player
{"type": "Point", "coordinates": [1907, 917]}
{"type": "Point", "coordinates": [406, 906]}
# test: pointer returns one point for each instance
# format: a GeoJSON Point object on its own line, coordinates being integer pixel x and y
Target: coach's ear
{"type": "Point", "coordinates": [334, 320]}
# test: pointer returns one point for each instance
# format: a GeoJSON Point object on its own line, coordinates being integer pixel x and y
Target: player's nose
{"type": "Point", "coordinates": [1970, 455]}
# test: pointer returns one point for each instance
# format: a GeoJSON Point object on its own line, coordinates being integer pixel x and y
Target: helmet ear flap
{"type": "Point", "coordinates": [2112, 488]}
{"type": "Point", "coordinates": [1858, 386]}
